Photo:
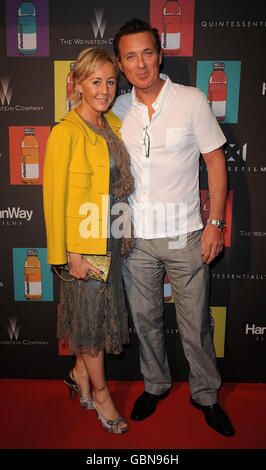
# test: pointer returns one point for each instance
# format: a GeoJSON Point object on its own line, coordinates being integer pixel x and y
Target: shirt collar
{"type": "Point", "coordinates": [160, 98]}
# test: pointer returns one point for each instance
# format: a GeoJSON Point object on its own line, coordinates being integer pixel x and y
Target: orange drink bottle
{"type": "Point", "coordinates": [29, 157]}
{"type": "Point", "coordinates": [33, 276]}
{"type": "Point", "coordinates": [69, 87]}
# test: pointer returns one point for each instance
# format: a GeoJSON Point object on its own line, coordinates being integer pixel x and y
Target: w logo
{"type": "Point", "coordinates": [5, 91]}
{"type": "Point", "coordinates": [99, 25]}
{"type": "Point", "coordinates": [13, 328]}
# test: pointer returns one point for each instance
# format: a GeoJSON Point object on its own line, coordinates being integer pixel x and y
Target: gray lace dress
{"type": "Point", "coordinates": [91, 318]}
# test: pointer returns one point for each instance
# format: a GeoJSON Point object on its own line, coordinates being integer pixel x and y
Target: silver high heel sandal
{"type": "Point", "coordinates": [111, 425]}
{"type": "Point", "coordinates": [74, 388]}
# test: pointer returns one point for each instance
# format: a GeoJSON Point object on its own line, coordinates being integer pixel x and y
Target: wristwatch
{"type": "Point", "coordinates": [219, 223]}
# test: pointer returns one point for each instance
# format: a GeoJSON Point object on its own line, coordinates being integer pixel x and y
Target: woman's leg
{"type": "Point", "coordinates": [80, 376]}
{"type": "Point", "coordinates": [101, 396]}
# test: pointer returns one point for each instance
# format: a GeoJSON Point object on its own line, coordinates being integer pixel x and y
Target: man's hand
{"type": "Point", "coordinates": [212, 242]}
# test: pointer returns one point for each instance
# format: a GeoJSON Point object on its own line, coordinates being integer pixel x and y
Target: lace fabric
{"type": "Point", "coordinates": [91, 320]}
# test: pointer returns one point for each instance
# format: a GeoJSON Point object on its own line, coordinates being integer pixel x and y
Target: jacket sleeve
{"type": "Point", "coordinates": [55, 177]}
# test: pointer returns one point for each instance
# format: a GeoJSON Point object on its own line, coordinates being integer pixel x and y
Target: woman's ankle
{"type": "Point", "coordinates": [83, 382]}
{"type": "Point", "coordinates": [79, 373]}
{"type": "Point", "coordinates": [101, 394]}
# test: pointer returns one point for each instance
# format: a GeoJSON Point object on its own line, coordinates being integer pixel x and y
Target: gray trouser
{"type": "Point", "coordinates": [143, 272]}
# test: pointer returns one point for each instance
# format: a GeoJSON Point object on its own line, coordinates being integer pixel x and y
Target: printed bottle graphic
{"type": "Point", "coordinates": [69, 87]}
{"type": "Point", "coordinates": [33, 276]}
{"type": "Point", "coordinates": [27, 34]}
{"type": "Point", "coordinates": [171, 27]}
{"type": "Point", "coordinates": [167, 289]}
{"type": "Point", "coordinates": [217, 90]}
{"type": "Point", "coordinates": [211, 319]}
{"type": "Point", "coordinates": [29, 157]}
{"type": "Point", "coordinates": [206, 208]}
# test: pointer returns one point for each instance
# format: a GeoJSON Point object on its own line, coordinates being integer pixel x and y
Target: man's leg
{"type": "Point", "coordinates": [189, 278]}
{"type": "Point", "coordinates": [143, 277]}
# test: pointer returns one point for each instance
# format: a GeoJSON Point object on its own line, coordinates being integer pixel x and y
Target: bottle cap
{"type": "Point", "coordinates": [29, 130]}
{"type": "Point", "coordinates": [218, 66]}
{"type": "Point", "coordinates": [32, 252]}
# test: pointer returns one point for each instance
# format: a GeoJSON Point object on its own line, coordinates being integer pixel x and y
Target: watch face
{"type": "Point", "coordinates": [222, 224]}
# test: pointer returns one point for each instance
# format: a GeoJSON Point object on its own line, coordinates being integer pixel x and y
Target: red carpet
{"type": "Point", "coordinates": [37, 414]}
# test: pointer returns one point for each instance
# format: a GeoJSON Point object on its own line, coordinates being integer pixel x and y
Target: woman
{"type": "Point", "coordinates": [86, 162]}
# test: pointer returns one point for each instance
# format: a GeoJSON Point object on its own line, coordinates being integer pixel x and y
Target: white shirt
{"type": "Point", "coordinates": [166, 201]}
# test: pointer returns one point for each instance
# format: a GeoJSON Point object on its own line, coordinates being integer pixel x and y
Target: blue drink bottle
{"type": "Point", "coordinates": [27, 35]}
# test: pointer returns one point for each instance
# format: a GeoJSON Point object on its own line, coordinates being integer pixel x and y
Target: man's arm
{"type": "Point", "coordinates": [212, 240]}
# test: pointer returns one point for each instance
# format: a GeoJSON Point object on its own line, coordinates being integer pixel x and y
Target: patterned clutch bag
{"type": "Point", "coordinates": [102, 262]}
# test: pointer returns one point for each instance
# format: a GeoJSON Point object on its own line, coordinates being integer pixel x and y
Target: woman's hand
{"type": "Point", "coordinates": [79, 267]}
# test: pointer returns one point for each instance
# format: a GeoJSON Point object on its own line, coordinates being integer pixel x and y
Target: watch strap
{"type": "Point", "coordinates": [218, 222]}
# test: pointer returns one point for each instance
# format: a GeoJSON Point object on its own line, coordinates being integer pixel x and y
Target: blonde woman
{"type": "Point", "coordinates": [85, 163]}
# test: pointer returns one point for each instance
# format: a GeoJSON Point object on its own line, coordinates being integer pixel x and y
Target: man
{"type": "Point", "coordinates": [165, 128]}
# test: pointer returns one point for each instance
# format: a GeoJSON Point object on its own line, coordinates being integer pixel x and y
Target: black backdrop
{"type": "Point", "coordinates": [32, 94]}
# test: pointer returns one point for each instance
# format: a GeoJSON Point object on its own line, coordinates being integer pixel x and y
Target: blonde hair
{"type": "Point", "coordinates": [89, 60]}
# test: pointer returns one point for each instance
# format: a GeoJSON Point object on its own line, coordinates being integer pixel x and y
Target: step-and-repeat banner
{"type": "Point", "coordinates": [216, 46]}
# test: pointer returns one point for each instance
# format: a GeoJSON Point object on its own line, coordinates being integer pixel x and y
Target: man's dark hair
{"type": "Point", "coordinates": [136, 26]}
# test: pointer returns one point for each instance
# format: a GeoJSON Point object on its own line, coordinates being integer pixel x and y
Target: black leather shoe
{"type": "Point", "coordinates": [146, 404]}
{"type": "Point", "coordinates": [216, 418]}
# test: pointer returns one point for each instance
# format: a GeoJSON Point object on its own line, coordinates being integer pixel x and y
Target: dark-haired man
{"type": "Point", "coordinates": [165, 128]}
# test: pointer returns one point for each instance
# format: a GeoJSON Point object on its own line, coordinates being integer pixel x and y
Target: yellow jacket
{"type": "Point", "coordinates": [76, 188]}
